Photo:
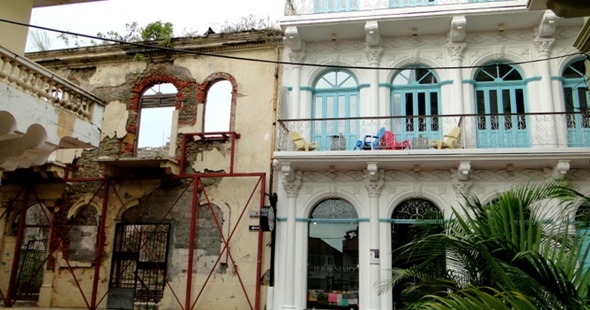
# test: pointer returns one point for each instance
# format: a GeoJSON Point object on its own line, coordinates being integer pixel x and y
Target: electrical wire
{"type": "Point", "coordinates": [185, 51]}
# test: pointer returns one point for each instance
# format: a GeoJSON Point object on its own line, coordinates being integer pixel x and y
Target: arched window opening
{"type": "Point", "coordinates": [576, 104]}
{"type": "Point", "coordinates": [82, 235]}
{"type": "Point", "coordinates": [218, 107]}
{"type": "Point", "coordinates": [411, 220]}
{"type": "Point", "coordinates": [333, 243]}
{"type": "Point", "coordinates": [33, 252]}
{"type": "Point", "coordinates": [335, 95]}
{"type": "Point", "coordinates": [416, 94]}
{"type": "Point", "coordinates": [157, 106]}
{"type": "Point", "coordinates": [500, 102]}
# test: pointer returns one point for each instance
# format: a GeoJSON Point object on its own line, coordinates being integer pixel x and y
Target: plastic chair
{"type": "Point", "coordinates": [300, 143]}
{"type": "Point", "coordinates": [388, 142]}
{"type": "Point", "coordinates": [370, 142]}
{"type": "Point", "coordinates": [449, 141]}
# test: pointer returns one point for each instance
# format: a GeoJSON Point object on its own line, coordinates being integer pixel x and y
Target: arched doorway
{"type": "Point", "coordinates": [332, 273]}
{"type": "Point", "coordinates": [412, 219]}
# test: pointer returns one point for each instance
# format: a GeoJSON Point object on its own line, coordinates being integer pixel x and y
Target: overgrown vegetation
{"type": "Point", "coordinates": [511, 253]}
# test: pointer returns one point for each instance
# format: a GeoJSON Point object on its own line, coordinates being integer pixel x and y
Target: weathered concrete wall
{"type": "Point", "coordinates": [155, 198]}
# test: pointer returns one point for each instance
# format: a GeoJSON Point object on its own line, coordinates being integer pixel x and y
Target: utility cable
{"type": "Point", "coordinates": [185, 51]}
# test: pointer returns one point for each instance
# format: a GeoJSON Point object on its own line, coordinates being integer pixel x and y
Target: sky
{"type": "Point", "coordinates": [185, 15]}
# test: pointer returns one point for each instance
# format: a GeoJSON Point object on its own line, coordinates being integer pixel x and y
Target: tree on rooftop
{"type": "Point", "coordinates": [507, 254]}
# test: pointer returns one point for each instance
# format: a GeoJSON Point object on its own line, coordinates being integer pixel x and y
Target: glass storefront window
{"type": "Point", "coordinates": [332, 275]}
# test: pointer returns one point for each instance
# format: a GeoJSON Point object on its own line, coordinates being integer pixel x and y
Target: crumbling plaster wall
{"type": "Point", "coordinates": [120, 85]}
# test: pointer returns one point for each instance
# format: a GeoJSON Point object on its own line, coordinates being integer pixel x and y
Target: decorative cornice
{"type": "Point", "coordinates": [293, 39]}
{"type": "Point", "coordinates": [547, 25]}
{"type": "Point", "coordinates": [372, 35]}
{"type": "Point", "coordinates": [457, 32]}
{"type": "Point", "coordinates": [463, 171]}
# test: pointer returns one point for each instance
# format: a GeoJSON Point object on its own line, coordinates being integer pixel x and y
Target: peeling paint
{"type": "Point", "coordinates": [114, 120]}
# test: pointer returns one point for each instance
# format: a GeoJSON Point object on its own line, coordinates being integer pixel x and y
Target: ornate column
{"type": "Point", "coordinates": [455, 49]}
{"type": "Point", "coordinates": [374, 185]}
{"type": "Point", "coordinates": [373, 54]}
{"type": "Point", "coordinates": [291, 184]}
{"type": "Point", "coordinates": [297, 55]}
{"type": "Point", "coordinates": [543, 44]}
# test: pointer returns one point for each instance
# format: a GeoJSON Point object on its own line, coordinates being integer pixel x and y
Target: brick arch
{"type": "Point", "coordinates": [204, 87]}
{"type": "Point", "coordinates": [184, 103]}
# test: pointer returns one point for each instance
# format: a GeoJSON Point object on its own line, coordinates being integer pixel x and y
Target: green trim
{"type": "Point", "coordinates": [364, 86]}
{"type": "Point", "coordinates": [412, 221]}
{"type": "Point", "coordinates": [533, 79]}
{"type": "Point", "coordinates": [447, 82]}
{"type": "Point", "coordinates": [472, 82]}
{"type": "Point", "coordinates": [558, 78]}
{"type": "Point", "coordinates": [332, 221]}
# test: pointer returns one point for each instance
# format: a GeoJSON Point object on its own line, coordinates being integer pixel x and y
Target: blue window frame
{"type": "Point", "coordinates": [415, 94]}
{"type": "Point", "coordinates": [500, 100]}
{"type": "Point", "coordinates": [576, 104]}
{"type": "Point", "coordinates": [335, 96]}
{"type": "Point", "coordinates": [332, 6]}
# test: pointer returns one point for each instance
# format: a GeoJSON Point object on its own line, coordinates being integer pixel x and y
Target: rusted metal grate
{"type": "Point", "coordinates": [30, 270]}
{"type": "Point", "coordinates": [140, 260]}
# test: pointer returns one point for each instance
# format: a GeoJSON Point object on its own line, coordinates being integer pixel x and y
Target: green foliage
{"type": "Point", "coordinates": [158, 31]}
{"type": "Point", "coordinates": [508, 254]}
{"type": "Point", "coordinates": [248, 23]}
{"type": "Point", "coordinates": [155, 31]}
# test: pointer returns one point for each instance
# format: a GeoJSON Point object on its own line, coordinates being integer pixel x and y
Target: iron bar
{"type": "Point", "coordinates": [191, 244]}
{"type": "Point", "coordinates": [100, 243]}
{"type": "Point", "coordinates": [9, 300]}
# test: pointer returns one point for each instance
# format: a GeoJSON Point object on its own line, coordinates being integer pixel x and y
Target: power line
{"type": "Point", "coordinates": [280, 62]}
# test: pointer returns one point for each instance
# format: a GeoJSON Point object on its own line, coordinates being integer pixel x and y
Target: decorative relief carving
{"type": "Point", "coordinates": [297, 57]}
{"type": "Point", "coordinates": [292, 188]}
{"type": "Point", "coordinates": [500, 51]}
{"type": "Point", "coordinates": [543, 46]}
{"type": "Point", "coordinates": [317, 176]}
{"type": "Point", "coordinates": [415, 56]}
{"type": "Point", "coordinates": [502, 175]}
{"type": "Point", "coordinates": [461, 188]}
{"type": "Point", "coordinates": [497, 37]}
{"type": "Point", "coordinates": [455, 50]}
{"type": "Point", "coordinates": [374, 188]}
{"type": "Point", "coordinates": [418, 191]}
{"type": "Point", "coordinates": [578, 174]}
{"type": "Point", "coordinates": [333, 190]}
{"type": "Point", "coordinates": [373, 55]}
{"type": "Point", "coordinates": [434, 175]}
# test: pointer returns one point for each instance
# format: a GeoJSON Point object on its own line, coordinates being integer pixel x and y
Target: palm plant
{"type": "Point", "coordinates": [517, 252]}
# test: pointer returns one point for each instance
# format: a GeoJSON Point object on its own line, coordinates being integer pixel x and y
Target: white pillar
{"type": "Point", "coordinates": [295, 108]}
{"type": "Point", "coordinates": [291, 184]}
{"type": "Point", "coordinates": [455, 51]}
{"type": "Point", "coordinates": [544, 102]}
{"type": "Point", "coordinates": [374, 186]}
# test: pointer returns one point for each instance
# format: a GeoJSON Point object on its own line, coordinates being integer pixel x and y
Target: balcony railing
{"type": "Point", "coordinates": [304, 7]}
{"type": "Point", "coordinates": [533, 130]}
{"type": "Point", "coordinates": [43, 84]}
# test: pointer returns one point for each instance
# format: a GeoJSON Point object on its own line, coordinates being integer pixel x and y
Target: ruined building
{"type": "Point", "coordinates": [164, 211]}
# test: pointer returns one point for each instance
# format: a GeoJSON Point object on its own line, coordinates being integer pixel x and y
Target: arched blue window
{"type": "Point", "coordinates": [500, 100]}
{"type": "Point", "coordinates": [576, 104]}
{"type": "Point", "coordinates": [415, 94]}
{"type": "Point", "coordinates": [335, 95]}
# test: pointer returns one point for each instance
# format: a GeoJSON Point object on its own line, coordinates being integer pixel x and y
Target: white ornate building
{"type": "Point", "coordinates": [479, 95]}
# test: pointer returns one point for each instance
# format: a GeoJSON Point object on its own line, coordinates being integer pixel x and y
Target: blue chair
{"type": "Point", "coordinates": [370, 142]}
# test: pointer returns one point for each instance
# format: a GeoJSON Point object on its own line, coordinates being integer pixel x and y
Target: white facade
{"type": "Point", "coordinates": [452, 41]}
